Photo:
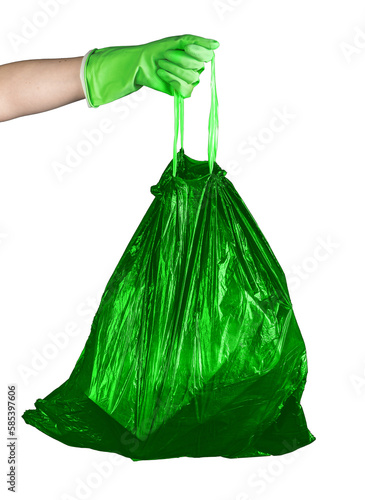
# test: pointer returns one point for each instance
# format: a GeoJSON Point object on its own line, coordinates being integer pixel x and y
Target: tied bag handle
{"type": "Point", "coordinates": [213, 123]}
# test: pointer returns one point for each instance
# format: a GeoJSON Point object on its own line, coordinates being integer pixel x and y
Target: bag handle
{"type": "Point", "coordinates": [213, 124]}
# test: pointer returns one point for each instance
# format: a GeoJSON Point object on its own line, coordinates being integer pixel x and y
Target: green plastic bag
{"type": "Point", "coordinates": [194, 350]}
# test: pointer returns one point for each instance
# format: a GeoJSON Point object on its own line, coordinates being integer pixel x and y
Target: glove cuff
{"type": "Point", "coordinates": [83, 79]}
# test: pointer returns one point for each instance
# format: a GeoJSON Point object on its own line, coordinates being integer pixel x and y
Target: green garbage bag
{"type": "Point", "coordinates": [194, 350]}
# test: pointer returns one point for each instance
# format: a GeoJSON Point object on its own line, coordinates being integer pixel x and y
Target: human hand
{"type": "Point", "coordinates": [170, 63]}
{"type": "Point", "coordinates": [180, 60]}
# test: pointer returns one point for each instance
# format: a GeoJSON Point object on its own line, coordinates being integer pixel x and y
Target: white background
{"type": "Point", "coordinates": [61, 238]}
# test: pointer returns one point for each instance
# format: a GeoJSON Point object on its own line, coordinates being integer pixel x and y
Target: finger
{"type": "Point", "coordinates": [184, 90]}
{"type": "Point", "coordinates": [175, 82]}
{"type": "Point", "coordinates": [188, 75]}
{"type": "Point", "coordinates": [182, 59]}
{"type": "Point", "coordinates": [199, 52]}
{"type": "Point", "coordinates": [208, 43]}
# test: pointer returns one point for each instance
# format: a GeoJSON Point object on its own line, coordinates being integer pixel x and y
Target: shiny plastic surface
{"type": "Point", "coordinates": [172, 63]}
{"type": "Point", "coordinates": [194, 350]}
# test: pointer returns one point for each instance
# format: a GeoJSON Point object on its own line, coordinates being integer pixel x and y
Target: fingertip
{"type": "Point", "coordinates": [175, 85]}
{"type": "Point", "coordinates": [214, 44]}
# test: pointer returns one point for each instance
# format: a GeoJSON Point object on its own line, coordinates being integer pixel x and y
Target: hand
{"type": "Point", "coordinates": [164, 65]}
{"type": "Point", "coordinates": [180, 59]}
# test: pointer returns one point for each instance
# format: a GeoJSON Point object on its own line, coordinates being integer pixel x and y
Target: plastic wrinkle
{"type": "Point", "coordinates": [190, 353]}
{"type": "Point", "coordinates": [195, 349]}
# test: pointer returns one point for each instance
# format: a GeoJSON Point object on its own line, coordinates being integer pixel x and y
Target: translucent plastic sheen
{"type": "Point", "coordinates": [194, 350]}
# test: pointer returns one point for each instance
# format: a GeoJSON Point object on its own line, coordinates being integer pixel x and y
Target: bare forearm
{"type": "Point", "coordinates": [28, 87]}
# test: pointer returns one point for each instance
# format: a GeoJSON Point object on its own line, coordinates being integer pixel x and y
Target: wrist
{"type": "Point", "coordinates": [110, 73]}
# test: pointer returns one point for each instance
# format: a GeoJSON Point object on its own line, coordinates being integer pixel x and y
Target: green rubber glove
{"type": "Point", "coordinates": [164, 65]}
